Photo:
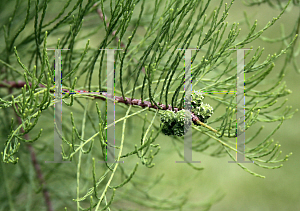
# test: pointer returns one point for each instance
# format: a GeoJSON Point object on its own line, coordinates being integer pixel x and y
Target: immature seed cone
{"type": "Point", "coordinates": [197, 99]}
{"type": "Point", "coordinates": [203, 112]}
{"type": "Point", "coordinates": [174, 123]}
{"type": "Point", "coordinates": [167, 122]}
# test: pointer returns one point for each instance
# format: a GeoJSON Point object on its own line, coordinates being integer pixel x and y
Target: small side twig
{"type": "Point", "coordinates": [37, 167]}
{"type": "Point", "coordinates": [102, 16]}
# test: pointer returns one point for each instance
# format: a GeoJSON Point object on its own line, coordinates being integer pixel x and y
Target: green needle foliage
{"type": "Point", "coordinates": [149, 79]}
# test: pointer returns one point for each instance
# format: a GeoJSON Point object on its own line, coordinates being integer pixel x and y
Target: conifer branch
{"type": "Point", "coordinates": [151, 65]}
{"type": "Point", "coordinates": [119, 99]}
